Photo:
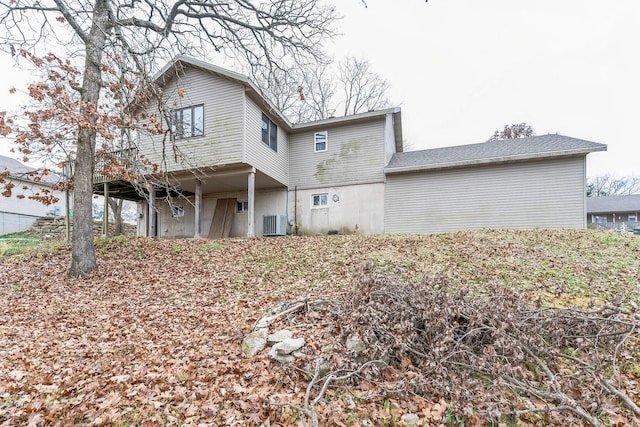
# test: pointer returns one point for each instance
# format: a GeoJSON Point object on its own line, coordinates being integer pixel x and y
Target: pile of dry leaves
{"type": "Point", "coordinates": [153, 337]}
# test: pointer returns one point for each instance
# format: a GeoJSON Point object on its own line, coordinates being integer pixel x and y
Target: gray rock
{"type": "Point", "coordinates": [279, 336]}
{"type": "Point", "coordinates": [288, 346]}
{"type": "Point", "coordinates": [254, 343]}
{"type": "Point", "coordinates": [282, 358]}
{"type": "Point", "coordinates": [411, 419]}
{"type": "Point", "coordinates": [355, 344]}
{"type": "Point", "coordinates": [263, 323]}
{"type": "Point", "coordinates": [327, 349]}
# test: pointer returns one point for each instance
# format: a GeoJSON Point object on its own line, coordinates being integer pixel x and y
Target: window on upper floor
{"type": "Point", "coordinates": [269, 132]}
{"type": "Point", "coordinates": [319, 200]}
{"type": "Point", "coordinates": [187, 122]}
{"type": "Point", "coordinates": [320, 141]}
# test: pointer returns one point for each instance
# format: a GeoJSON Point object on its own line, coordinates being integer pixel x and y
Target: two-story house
{"type": "Point", "coordinates": [244, 170]}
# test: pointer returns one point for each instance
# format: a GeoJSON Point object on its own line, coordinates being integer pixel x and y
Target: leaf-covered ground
{"type": "Point", "coordinates": [153, 337]}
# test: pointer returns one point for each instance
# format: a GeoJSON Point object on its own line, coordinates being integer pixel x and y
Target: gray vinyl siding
{"type": "Point", "coordinates": [355, 155]}
{"type": "Point", "coordinates": [544, 194]}
{"type": "Point", "coordinates": [260, 155]}
{"type": "Point", "coordinates": [223, 122]}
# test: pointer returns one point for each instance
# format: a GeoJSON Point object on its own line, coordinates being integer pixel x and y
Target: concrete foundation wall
{"type": "Point", "coordinates": [350, 209]}
{"type": "Point", "coordinates": [14, 223]}
{"type": "Point", "coordinates": [271, 202]}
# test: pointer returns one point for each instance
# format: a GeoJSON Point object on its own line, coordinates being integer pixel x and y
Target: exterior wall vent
{"type": "Point", "coordinates": [274, 225]}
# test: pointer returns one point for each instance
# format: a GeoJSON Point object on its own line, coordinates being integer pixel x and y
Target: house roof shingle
{"type": "Point", "coordinates": [534, 147]}
{"type": "Point", "coordinates": [608, 204]}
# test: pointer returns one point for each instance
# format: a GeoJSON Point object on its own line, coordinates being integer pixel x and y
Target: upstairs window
{"type": "Point", "coordinates": [320, 141]}
{"type": "Point", "coordinates": [187, 122]}
{"type": "Point", "coordinates": [269, 132]}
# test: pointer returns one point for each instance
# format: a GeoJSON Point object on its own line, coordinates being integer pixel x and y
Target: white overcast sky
{"type": "Point", "coordinates": [461, 69]}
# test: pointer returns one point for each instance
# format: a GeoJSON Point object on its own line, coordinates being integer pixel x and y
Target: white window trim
{"type": "Point", "coordinates": [244, 202]}
{"type": "Point", "coordinates": [180, 135]}
{"type": "Point", "coordinates": [271, 131]}
{"type": "Point", "coordinates": [177, 211]}
{"type": "Point", "coordinates": [321, 206]}
{"type": "Point", "coordinates": [326, 142]}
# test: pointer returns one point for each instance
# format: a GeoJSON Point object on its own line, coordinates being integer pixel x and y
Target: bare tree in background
{"type": "Point", "coordinates": [302, 92]}
{"type": "Point", "coordinates": [319, 90]}
{"type": "Point", "coordinates": [363, 89]}
{"type": "Point", "coordinates": [115, 206]}
{"type": "Point", "coordinates": [607, 185]}
{"type": "Point", "coordinates": [135, 36]}
{"type": "Point", "coordinates": [520, 130]}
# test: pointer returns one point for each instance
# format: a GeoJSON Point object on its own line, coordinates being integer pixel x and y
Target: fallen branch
{"type": "Point", "coordinates": [441, 339]}
{"type": "Point", "coordinates": [626, 400]}
{"type": "Point", "coordinates": [266, 321]}
{"type": "Point", "coordinates": [308, 407]}
{"type": "Point", "coordinates": [566, 403]}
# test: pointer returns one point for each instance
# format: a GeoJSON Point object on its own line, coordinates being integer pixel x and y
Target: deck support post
{"type": "Point", "coordinates": [251, 231]}
{"type": "Point", "coordinates": [152, 213]}
{"type": "Point", "coordinates": [198, 214]}
{"type": "Point", "coordinates": [105, 211]}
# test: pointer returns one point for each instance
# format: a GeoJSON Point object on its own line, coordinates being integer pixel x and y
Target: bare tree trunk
{"type": "Point", "coordinates": [83, 258]}
{"type": "Point", "coordinates": [116, 208]}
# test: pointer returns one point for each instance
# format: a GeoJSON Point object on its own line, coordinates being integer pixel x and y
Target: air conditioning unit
{"type": "Point", "coordinates": [274, 225]}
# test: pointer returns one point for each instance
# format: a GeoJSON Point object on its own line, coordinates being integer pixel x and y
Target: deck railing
{"type": "Point", "coordinates": [622, 226]}
{"type": "Point", "coordinates": [108, 165]}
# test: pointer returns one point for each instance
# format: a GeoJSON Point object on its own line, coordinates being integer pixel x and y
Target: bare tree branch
{"type": "Point", "coordinates": [119, 43]}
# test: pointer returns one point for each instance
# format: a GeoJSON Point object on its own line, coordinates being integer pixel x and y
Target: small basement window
{"type": "Point", "coordinates": [320, 141]}
{"type": "Point", "coordinates": [242, 207]}
{"type": "Point", "coordinates": [319, 200]}
{"type": "Point", "coordinates": [177, 211]}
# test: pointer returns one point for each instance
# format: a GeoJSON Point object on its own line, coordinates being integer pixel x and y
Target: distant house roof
{"type": "Point", "coordinates": [509, 150]}
{"type": "Point", "coordinates": [613, 204]}
{"type": "Point", "coordinates": [13, 166]}
{"type": "Point", "coordinates": [17, 170]}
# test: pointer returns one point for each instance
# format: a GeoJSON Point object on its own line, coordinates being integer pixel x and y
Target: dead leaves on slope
{"type": "Point", "coordinates": [153, 337]}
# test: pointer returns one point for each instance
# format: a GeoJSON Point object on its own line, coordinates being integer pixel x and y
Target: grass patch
{"type": "Point", "coordinates": [16, 243]}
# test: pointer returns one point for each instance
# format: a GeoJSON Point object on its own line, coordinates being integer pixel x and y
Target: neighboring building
{"type": "Point", "coordinates": [246, 170]}
{"type": "Point", "coordinates": [19, 214]}
{"type": "Point", "coordinates": [614, 211]}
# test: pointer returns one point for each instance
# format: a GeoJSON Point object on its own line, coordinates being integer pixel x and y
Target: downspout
{"type": "Point", "coordinates": [286, 203]}
{"type": "Point", "coordinates": [295, 208]}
